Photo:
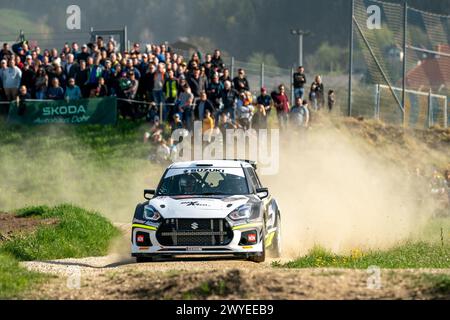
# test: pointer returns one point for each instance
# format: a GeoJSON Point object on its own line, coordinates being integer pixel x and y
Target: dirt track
{"type": "Point", "coordinates": [114, 277]}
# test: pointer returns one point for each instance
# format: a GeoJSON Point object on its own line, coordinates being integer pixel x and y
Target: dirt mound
{"type": "Point", "coordinates": [11, 225]}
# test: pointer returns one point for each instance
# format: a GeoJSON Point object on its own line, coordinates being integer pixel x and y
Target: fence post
{"type": "Point", "coordinates": [292, 86]}
{"type": "Point", "coordinates": [445, 113]}
{"type": "Point", "coordinates": [232, 68]}
{"type": "Point", "coordinates": [430, 110]}
{"type": "Point", "coordinates": [262, 75]}
{"type": "Point", "coordinates": [405, 45]}
{"type": "Point", "coordinates": [350, 63]}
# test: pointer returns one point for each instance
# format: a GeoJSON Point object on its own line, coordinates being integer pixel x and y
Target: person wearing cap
{"type": "Point", "coordinates": [281, 102]}
{"type": "Point", "coordinates": [84, 54]}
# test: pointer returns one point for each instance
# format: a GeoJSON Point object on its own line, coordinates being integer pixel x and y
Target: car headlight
{"type": "Point", "coordinates": [150, 213]}
{"type": "Point", "coordinates": [243, 212]}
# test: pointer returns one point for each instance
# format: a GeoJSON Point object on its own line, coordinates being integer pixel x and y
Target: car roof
{"type": "Point", "coordinates": [211, 163]}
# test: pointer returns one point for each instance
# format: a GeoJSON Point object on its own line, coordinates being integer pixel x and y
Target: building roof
{"type": "Point", "coordinates": [431, 73]}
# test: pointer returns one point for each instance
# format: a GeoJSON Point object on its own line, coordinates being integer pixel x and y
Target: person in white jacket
{"type": "Point", "coordinates": [11, 78]}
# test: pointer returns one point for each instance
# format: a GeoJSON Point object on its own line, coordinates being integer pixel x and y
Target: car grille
{"type": "Point", "coordinates": [194, 232]}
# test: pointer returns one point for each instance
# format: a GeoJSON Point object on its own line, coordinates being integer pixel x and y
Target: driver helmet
{"type": "Point", "coordinates": [187, 184]}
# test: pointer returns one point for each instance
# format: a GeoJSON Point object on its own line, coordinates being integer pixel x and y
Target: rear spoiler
{"type": "Point", "coordinates": [254, 164]}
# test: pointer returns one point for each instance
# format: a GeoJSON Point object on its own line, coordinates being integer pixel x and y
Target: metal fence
{"type": "Point", "coordinates": [399, 64]}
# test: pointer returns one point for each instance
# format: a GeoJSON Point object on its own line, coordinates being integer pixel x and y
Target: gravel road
{"type": "Point", "coordinates": [116, 277]}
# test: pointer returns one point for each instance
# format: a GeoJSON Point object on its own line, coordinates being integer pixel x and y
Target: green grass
{"type": "Point", "coordinates": [14, 279]}
{"type": "Point", "coordinates": [408, 255]}
{"type": "Point", "coordinates": [436, 283]}
{"type": "Point", "coordinates": [78, 233]}
{"type": "Point", "coordinates": [425, 250]}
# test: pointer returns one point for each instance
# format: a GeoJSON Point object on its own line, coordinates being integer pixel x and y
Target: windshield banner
{"type": "Point", "coordinates": [86, 111]}
{"type": "Point", "coordinates": [231, 171]}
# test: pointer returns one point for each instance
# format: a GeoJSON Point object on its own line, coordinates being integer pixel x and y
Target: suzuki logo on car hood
{"type": "Point", "coordinates": [194, 226]}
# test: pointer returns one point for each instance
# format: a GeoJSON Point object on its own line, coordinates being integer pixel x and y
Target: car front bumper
{"type": "Point", "coordinates": [235, 247]}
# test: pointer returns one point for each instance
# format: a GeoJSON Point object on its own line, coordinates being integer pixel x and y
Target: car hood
{"type": "Point", "coordinates": [214, 207]}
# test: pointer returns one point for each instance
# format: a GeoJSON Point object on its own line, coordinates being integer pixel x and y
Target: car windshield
{"type": "Point", "coordinates": [203, 181]}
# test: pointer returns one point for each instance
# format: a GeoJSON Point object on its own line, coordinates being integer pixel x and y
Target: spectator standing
{"type": "Point", "coordinates": [214, 91]}
{"type": "Point", "coordinates": [21, 98]}
{"type": "Point", "coordinates": [281, 102]}
{"type": "Point", "coordinates": [331, 100]}
{"type": "Point", "coordinates": [197, 83]}
{"type": "Point", "coordinates": [202, 105]}
{"type": "Point", "coordinates": [5, 53]}
{"type": "Point", "coordinates": [170, 93]}
{"type": "Point", "coordinates": [208, 124]}
{"type": "Point", "coordinates": [299, 83]}
{"type": "Point", "coordinates": [158, 85]}
{"type": "Point", "coordinates": [11, 78]}
{"type": "Point", "coordinates": [225, 76]}
{"type": "Point", "coordinates": [259, 119]}
{"type": "Point", "coordinates": [185, 102]}
{"type": "Point", "coordinates": [265, 100]}
{"type": "Point", "coordinates": [244, 112]}
{"type": "Point", "coordinates": [318, 91]}
{"type": "Point", "coordinates": [29, 79]}
{"type": "Point", "coordinates": [71, 67]}
{"type": "Point", "coordinates": [217, 61]}
{"type": "Point", "coordinates": [299, 114]}
{"type": "Point", "coordinates": [41, 86]}
{"type": "Point", "coordinates": [81, 79]}
{"type": "Point", "coordinates": [229, 100]}
{"type": "Point", "coordinates": [73, 91]}
{"type": "Point", "coordinates": [84, 54]}
{"type": "Point", "coordinates": [240, 82]}
{"type": "Point", "coordinates": [55, 92]}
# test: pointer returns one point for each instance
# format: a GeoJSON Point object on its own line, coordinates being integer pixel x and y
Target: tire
{"type": "Point", "coordinates": [143, 259]}
{"type": "Point", "coordinates": [275, 249]}
{"type": "Point", "coordinates": [259, 257]}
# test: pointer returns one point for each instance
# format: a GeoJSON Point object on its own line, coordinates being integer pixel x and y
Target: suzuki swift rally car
{"type": "Point", "coordinates": [207, 208]}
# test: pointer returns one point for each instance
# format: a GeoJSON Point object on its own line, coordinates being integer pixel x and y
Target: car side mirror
{"type": "Point", "coordinates": [262, 193]}
{"type": "Point", "coordinates": [148, 194]}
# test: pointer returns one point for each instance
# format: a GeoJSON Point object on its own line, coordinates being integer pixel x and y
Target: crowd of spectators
{"type": "Point", "coordinates": [178, 89]}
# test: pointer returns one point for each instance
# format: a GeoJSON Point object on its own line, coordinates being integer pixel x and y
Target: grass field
{"type": "Point", "coordinates": [428, 249]}
{"type": "Point", "coordinates": [77, 233]}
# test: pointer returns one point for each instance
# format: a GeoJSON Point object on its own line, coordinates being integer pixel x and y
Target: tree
{"type": "Point", "coordinates": [261, 57]}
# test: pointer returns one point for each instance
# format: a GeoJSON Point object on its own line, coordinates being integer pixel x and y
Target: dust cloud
{"type": "Point", "coordinates": [42, 172]}
{"type": "Point", "coordinates": [337, 193]}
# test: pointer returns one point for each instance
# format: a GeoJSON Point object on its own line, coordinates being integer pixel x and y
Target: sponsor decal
{"type": "Point", "coordinates": [194, 204]}
{"type": "Point", "coordinates": [140, 238]}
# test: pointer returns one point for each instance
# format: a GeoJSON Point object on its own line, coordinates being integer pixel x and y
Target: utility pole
{"type": "Point", "coordinates": [300, 33]}
{"type": "Point", "coordinates": [350, 62]}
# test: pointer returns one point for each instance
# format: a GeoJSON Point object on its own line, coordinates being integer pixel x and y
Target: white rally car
{"type": "Point", "coordinates": [207, 208]}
